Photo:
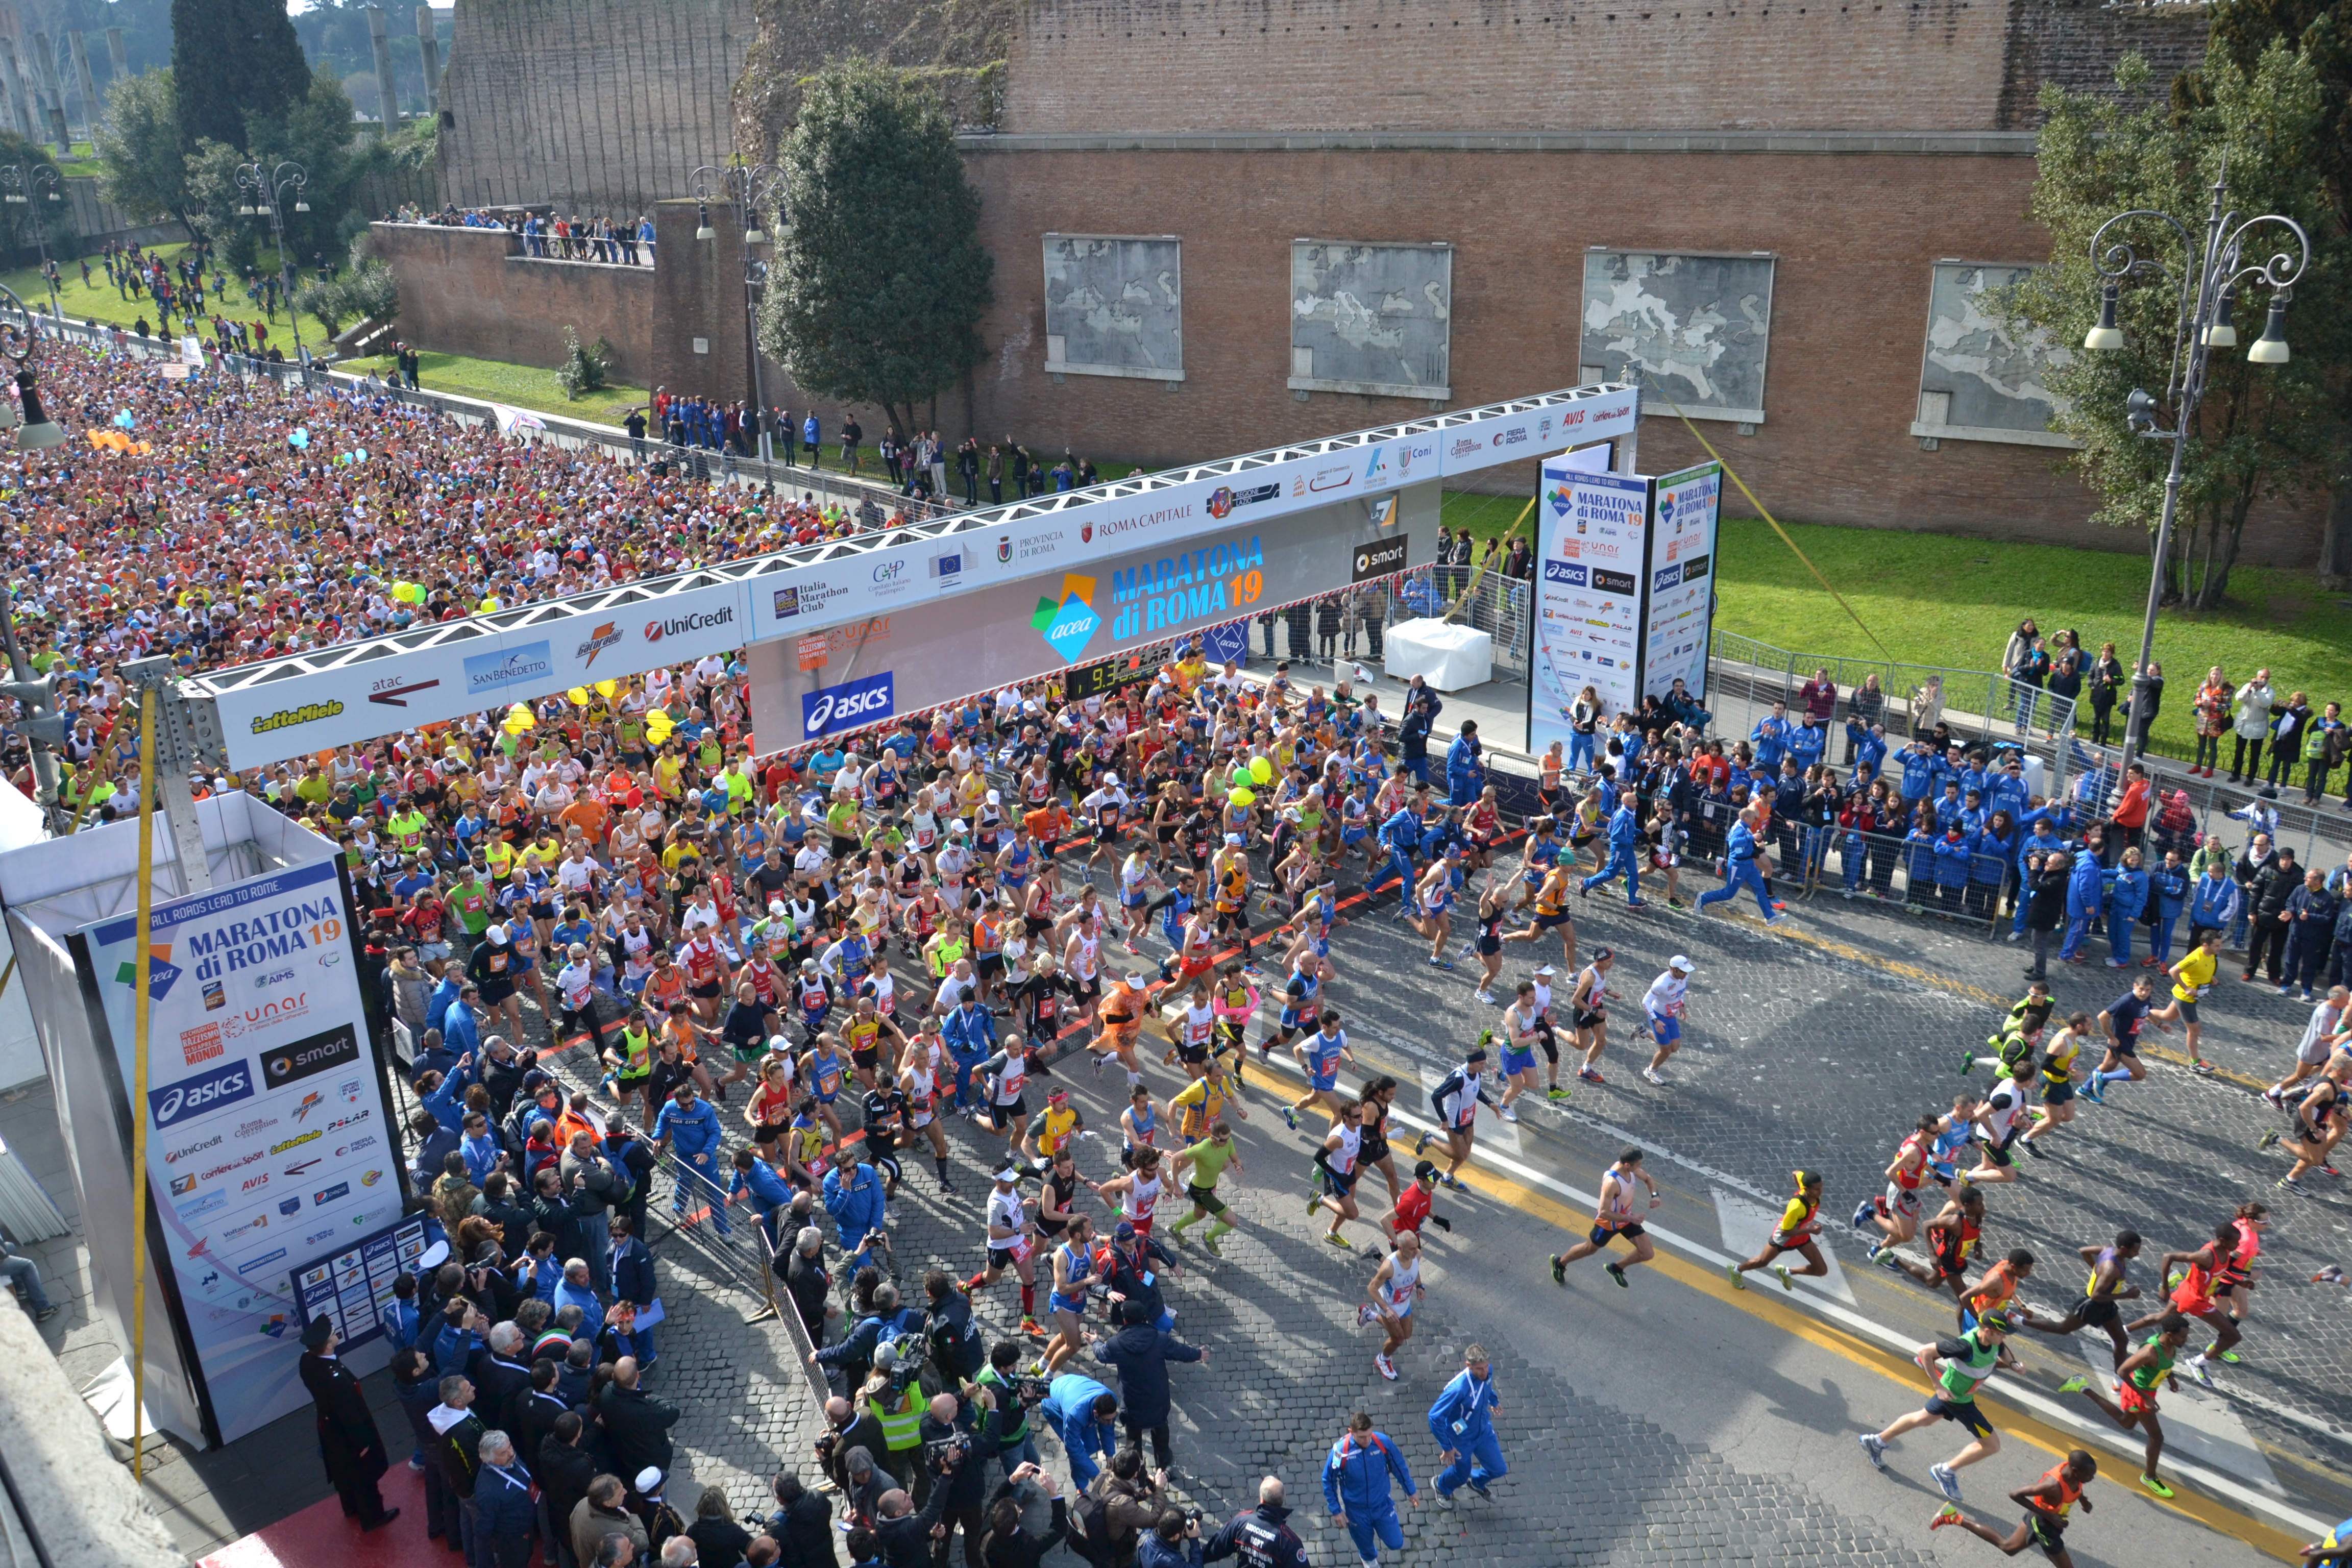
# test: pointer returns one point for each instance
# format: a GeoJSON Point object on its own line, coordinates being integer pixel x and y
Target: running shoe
{"type": "Point", "coordinates": [2094, 1090]}
{"type": "Point", "coordinates": [1776, 922]}
{"type": "Point", "coordinates": [1637, 903]}
{"type": "Point", "coordinates": [1420, 1143]}
{"type": "Point", "coordinates": [1591, 1075]}
{"type": "Point", "coordinates": [1738, 1281]}
{"type": "Point", "coordinates": [1943, 1477]}
{"type": "Point", "coordinates": [1482, 1491]}
{"type": "Point", "coordinates": [2032, 1148]}
{"type": "Point", "coordinates": [1654, 1076]}
{"type": "Point", "coordinates": [1342, 1242]}
{"type": "Point", "coordinates": [1967, 1062]}
{"type": "Point", "coordinates": [1440, 963]}
{"type": "Point", "coordinates": [2278, 1100]}
{"type": "Point", "coordinates": [2331, 1171]}
{"type": "Point", "coordinates": [1486, 997]}
{"type": "Point", "coordinates": [2196, 1368]}
{"type": "Point", "coordinates": [1037, 1368]}
{"type": "Point", "coordinates": [1507, 1113]}
{"type": "Point", "coordinates": [1210, 1243]}
{"type": "Point", "coordinates": [1252, 972]}
{"type": "Point", "coordinates": [2289, 1185]}
{"type": "Point", "coordinates": [1363, 1313]}
{"type": "Point", "coordinates": [1780, 1272]}
{"type": "Point", "coordinates": [1559, 1269]}
{"type": "Point", "coordinates": [2075, 1386]}
{"type": "Point", "coordinates": [1029, 1326]}
{"type": "Point", "coordinates": [964, 1286]}
{"type": "Point", "coordinates": [1862, 1215]}
{"type": "Point", "coordinates": [1446, 1502]}
{"type": "Point", "coordinates": [2266, 1140]}
{"type": "Point", "coordinates": [1676, 904]}
{"type": "Point", "coordinates": [1385, 1367]}
{"type": "Point", "coordinates": [1947, 1514]}
{"type": "Point", "coordinates": [2201, 1068]}
{"type": "Point", "coordinates": [1884, 1256]}
{"type": "Point", "coordinates": [2229, 1356]}
{"type": "Point", "coordinates": [2159, 1488]}
{"type": "Point", "coordinates": [1455, 1182]}
{"type": "Point", "coordinates": [1875, 1449]}
{"type": "Point", "coordinates": [1291, 1120]}
{"type": "Point", "coordinates": [1617, 1272]}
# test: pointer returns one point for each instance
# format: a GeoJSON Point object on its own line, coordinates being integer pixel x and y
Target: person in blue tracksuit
{"type": "Point", "coordinates": [687, 1128]}
{"type": "Point", "coordinates": [1919, 775]}
{"type": "Point", "coordinates": [1953, 848]}
{"type": "Point", "coordinates": [1356, 1487]}
{"type": "Point", "coordinates": [853, 1197]}
{"type": "Point", "coordinates": [1624, 836]}
{"type": "Point", "coordinates": [2087, 896]}
{"type": "Point", "coordinates": [2168, 884]}
{"type": "Point", "coordinates": [1920, 860]}
{"type": "Point", "coordinates": [1806, 742]}
{"type": "Point", "coordinates": [1463, 1422]}
{"type": "Point", "coordinates": [1465, 768]}
{"type": "Point", "coordinates": [1770, 738]}
{"type": "Point", "coordinates": [969, 1032]}
{"type": "Point", "coordinates": [2214, 902]}
{"type": "Point", "coordinates": [1084, 1415]}
{"type": "Point", "coordinates": [1400, 836]}
{"type": "Point", "coordinates": [1741, 869]}
{"type": "Point", "coordinates": [2127, 895]}
{"type": "Point", "coordinates": [1996, 849]}
{"type": "Point", "coordinates": [763, 1187]}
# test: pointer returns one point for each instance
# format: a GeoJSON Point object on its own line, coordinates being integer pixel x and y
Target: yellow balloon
{"type": "Point", "coordinates": [579, 695]}
{"type": "Point", "coordinates": [1243, 796]}
{"type": "Point", "coordinates": [1261, 771]}
{"type": "Point", "coordinates": [605, 689]}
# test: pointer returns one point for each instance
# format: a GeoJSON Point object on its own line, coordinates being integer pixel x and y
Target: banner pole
{"type": "Point", "coordinates": [139, 1011]}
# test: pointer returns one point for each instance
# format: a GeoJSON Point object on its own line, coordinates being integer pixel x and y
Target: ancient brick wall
{"type": "Point", "coordinates": [466, 291]}
{"type": "Point", "coordinates": [598, 106]}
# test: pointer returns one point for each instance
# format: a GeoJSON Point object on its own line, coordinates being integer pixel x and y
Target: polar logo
{"type": "Point", "coordinates": [201, 1096]}
{"type": "Point", "coordinates": [829, 709]}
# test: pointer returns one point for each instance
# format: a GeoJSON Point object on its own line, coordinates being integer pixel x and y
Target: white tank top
{"type": "Point", "coordinates": [1543, 1000]}
{"type": "Point", "coordinates": [1090, 948]}
{"type": "Point", "coordinates": [1405, 1279]}
{"type": "Point", "coordinates": [1343, 1158]}
{"type": "Point", "coordinates": [920, 1095]}
{"type": "Point", "coordinates": [1199, 1025]}
{"type": "Point", "coordinates": [1142, 1198]}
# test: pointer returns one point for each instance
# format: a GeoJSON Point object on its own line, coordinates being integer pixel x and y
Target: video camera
{"type": "Point", "coordinates": [942, 1455]}
{"type": "Point", "coordinates": [1031, 1390]}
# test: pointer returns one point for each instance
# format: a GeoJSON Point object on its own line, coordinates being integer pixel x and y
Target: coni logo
{"type": "Point", "coordinates": [1068, 624]}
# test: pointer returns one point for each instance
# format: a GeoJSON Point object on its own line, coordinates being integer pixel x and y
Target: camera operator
{"type": "Point", "coordinates": [891, 1396]}
{"type": "Point", "coordinates": [856, 1353]}
{"type": "Point", "coordinates": [802, 1524]}
{"type": "Point", "coordinates": [1174, 1540]}
{"type": "Point", "coordinates": [1007, 1544]}
{"type": "Point", "coordinates": [846, 1426]}
{"type": "Point", "coordinates": [1015, 1395]}
{"type": "Point", "coordinates": [949, 1335]}
{"type": "Point", "coordinates": [1118, 1505]}
{"type": "Point", "coordinates": [957, 1442]}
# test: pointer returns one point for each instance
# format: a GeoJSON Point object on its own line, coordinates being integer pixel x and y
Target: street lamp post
{"type": "Point", "coordinates": [264, 192]}
{"type": "Point", "coordinates": [19, 181]}
{"type": "Point", "coordinates": [2208, 285]}
{"type": "Point", "coordinates": [751, 189]}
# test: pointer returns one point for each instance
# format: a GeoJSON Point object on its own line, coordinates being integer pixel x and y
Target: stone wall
{"type": "Point", "coordinates": [597, 106]}
{"type": "Point", "coordinates": [468, 291]}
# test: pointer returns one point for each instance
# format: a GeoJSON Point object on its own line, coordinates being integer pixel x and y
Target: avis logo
{"type": "Point", "coordinates": [1069, 626]}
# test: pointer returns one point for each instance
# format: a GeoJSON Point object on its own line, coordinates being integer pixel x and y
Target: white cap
{"type": "Point", "coordinates": [496, 933]}
{"type": "Point", "coordinates": [1008, 1172]}
{"type": "Point", "coordinates": [649, 1480]}
{"type": "Point", "coordinates": [1679, 962]}
{"type": "Point", "coordinates": [1546, 971]}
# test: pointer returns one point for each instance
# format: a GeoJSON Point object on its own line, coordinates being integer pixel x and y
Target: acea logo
{"type": "Point", "coordinates": [1069, 623]}
{"type": "Point", "coordinates": [161, 972]}
{"type": "Point", "coordinates": [852, 705]}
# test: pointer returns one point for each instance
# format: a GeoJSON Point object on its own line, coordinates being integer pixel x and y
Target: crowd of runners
{"type": "Point", "coordinates": [865, 943]}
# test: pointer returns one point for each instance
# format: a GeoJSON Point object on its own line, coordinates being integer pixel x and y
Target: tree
{"type": "Point", "coordinates": [139, 140]}
{"type": "Point", "coordinates": [2261, 433]}
{"type": "Point", "coordinates": [877, 290]}
{"type": "Point", "coordinates": [232, 60]}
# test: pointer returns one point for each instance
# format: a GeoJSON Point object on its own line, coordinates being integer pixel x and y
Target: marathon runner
{"type": "Point", "coordinates": [1588, 1013]}
{"type": "Point", "coordinates": [2102, 1294]}
{"type": "Point", "coordinates": [2121, 1022]}
{"type": "Point", "coordinates": [1395, 1285]}
{"type": "Point", "coordinates": [2192, 1296]}
{"type": "Point", "coordinates": [1012, 1241]}
{"type": "Point", "coordinates": [1200, 1166]}
{"type": "Point", "coordinates": [1319, 1057]}
{"type": "Point", "coordinates": [1616, 1217]}
{"type": "Point", "coordinates": [1958, 1364]}
{"type": "Point", "coordinates": [1455, 1102]}
{"type": "Point", "coordinates": [2045, 1504]}
{"type": "Point", "coordinates": [2138, 1377]}
{"type": "Point", "coordinates": [1666, 1003]}
{"type": "Point", "coordinates": [1338, 1165]}
{"type": "Point", "coordinates": [1800, 1223]}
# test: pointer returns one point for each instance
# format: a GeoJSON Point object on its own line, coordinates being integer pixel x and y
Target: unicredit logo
{"type": "Point", "coordinates": [680, 625]}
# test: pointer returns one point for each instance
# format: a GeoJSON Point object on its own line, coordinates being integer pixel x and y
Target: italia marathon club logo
{"type": "Point", "coordinates": [1069, 623]}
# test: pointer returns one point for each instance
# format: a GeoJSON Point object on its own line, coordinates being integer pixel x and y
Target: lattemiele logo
{"type": "Point", "coordinates": [1068, 624]}
{"type": "Point", "coordinates": [699, 620]}
{"type": "Point", "coordinates": [602, 637]}
{"type": "Point", "coordinates": [294, 1143]}
{"type": "Point", "coordinates": [288, 718]}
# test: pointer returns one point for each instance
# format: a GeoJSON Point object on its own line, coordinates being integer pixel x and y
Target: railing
{"type": "Point", "coordinates": [1977, 707]}
{"type": "Point", "coordinates": [1486, 601]}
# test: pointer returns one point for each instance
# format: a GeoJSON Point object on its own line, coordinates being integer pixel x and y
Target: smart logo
{"type": "Point", "coordinates": [488, 673]}
{"type": "Point", "coordinates": [202, 1095]}
{"type": "Point", "coordinates": [1068, 626]}
{"type": "Point", "coordinates": [829, 709]}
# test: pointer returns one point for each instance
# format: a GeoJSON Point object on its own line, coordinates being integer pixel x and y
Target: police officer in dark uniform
{"type": "Point", "coordinates": [349, 1444]}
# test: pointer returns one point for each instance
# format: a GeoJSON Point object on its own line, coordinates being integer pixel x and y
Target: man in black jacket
{"type": "Point", "coordinates": [564, 1470]}
{"type": "Point", "coordinates": [460, 1456]}
{"type": "Point", "coordinates": [572, 1217]}
{"type": "Point", "coordinates": [502, 1377]}
{"type": "Point", "coordinates": [809, 1283]}
{"type": "Point", "coordinates": [534, 1412]}
{"type": "Point", "coordinates": [636, 1158]}
{"type": "Point", "coordinates": [906, 1535]}
{"type": "Point", "coordinates": [348, 1439]}
{"type": "Point", "coordinates": [1262, 1536]}
{"type": "Point", "coordinates": [957, 1446]}
{"type": "Point", "coordinates": [1006, 1544]}
{"type": "Point", "coordinates": [2047, 889]}
{"type": "Point", "coordinates": [2266, 896]}
{"type": "Point", "coordinates": [802, 1524]}
{"type": "Point", "coordinates": [637, 1424]}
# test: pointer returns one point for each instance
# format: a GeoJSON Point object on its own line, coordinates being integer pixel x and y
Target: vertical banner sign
{"type": "Point", "coordinates": [352, 1288]}
{"type": "Point", "coordinates": [268, 1141]}
{"type": "Point", "coordinates": [1588, 596]}
{"type": "Point", "coordinates": [1680, 615]}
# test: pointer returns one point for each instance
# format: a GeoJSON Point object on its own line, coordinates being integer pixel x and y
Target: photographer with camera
{"type": "Point", "coordinates": [892, 1397]}
{"type": "Point", "coordinates": [847, 1425]}
{"type": "Point", "coordinates": [950, 1338]}
{"type": "Point", "coordinates": [1007, 1544]}
{"type": "Point", "coordinates": [1118, 1505]}
{"type": "Point", "coordinates": [800, 1524]}
{"type": "Point", "coordinates": [1142, 1351]}
{"type": "Point", "coordinates": [1017, 1393]}
{"type": "Point", "coordinates": [857, 1352]}
{"type": "Point", "coordinates": [957, 1441]}
{"type": "Point", "coordinates": [1174, 1540]}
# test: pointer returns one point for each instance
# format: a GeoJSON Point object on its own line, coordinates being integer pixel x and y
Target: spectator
{"type": "Point", "coordinates": [2251, 725]}
{"type": "Point", "coordinates": [1142, 1351]}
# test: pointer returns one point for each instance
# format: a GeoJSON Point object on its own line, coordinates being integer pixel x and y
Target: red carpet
{"type": "Point", "coordinates": [321, 1537]}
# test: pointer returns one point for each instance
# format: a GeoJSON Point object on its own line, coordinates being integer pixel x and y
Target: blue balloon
{"type": "Point", "coordinates": [299, 439]}
{"type": "Point", "coordinates": [123, 419]}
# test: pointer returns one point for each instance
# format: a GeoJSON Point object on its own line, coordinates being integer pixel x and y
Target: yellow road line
{"type": "Point", "coordinates": [2120, 1464]}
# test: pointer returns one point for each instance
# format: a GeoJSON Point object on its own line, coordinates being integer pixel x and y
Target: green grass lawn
{"type": "Point", "coordinates": [98, 301]}
{"type": "Point", "coordinates": [1939, 600]}
{"type": "Point", "coordinates": [521, 385]}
